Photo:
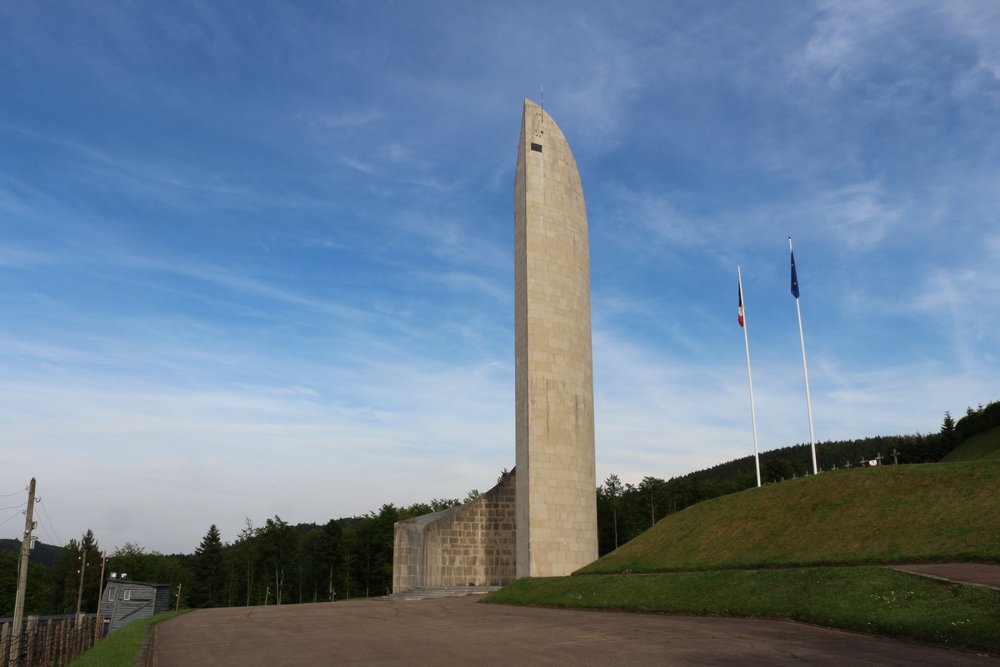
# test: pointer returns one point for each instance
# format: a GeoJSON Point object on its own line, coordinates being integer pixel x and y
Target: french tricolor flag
{"type": "Point", "coordinates": [741, 303]}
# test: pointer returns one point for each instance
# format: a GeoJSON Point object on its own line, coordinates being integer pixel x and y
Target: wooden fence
{"type": "Point", "coordinates": [47, 641]}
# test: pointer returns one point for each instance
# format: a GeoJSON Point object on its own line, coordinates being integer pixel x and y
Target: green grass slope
{"type": "Point", "coordinates": [929, 512]}
{"type": "Point", "coordinates": [121, 648]}
{"type": "Point", "coordinates": [866, 599]}
{"type": "Point", "coordinates": [985, 445]}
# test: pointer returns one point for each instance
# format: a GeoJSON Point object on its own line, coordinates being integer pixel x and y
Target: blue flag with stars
{"type": "Point", "coordinates": [795, 279]}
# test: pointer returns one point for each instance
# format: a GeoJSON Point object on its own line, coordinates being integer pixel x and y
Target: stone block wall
{"type": "Point", "coordinates": [470, 545]}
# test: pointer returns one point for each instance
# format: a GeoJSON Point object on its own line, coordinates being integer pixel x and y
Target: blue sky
{"type": "Point", "coordinates": [257, 258]}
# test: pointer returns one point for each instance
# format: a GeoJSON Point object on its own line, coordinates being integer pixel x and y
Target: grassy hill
{"type": "Point", "coordinates": [931, 512]}
{"type": "Point", "coordinates": [760, 552]}
{"type": "Point", "coordinates": [985, 445]}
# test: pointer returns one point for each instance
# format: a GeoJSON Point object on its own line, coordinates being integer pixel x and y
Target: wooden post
{"type": "Point", "coordinates": [48, 647]}
{"type": "Point", "coordinates": [4, 643]}
{"type": "Point", "coordinates": [75, 633]}
{"type": "Point", "coordinates": [59, 643]}
{"type": "Point", "coordinates": [83, 568]}
{"type": "Point", "coordinates": [29, 635]}
{"type": "Point", "coordinates": [43, 650]}
{"type": "Point", "coordinates": [100, 599]}
{"type": "Point", "coordinates": [64, 637]}
{"type": "Point", "coordinates": [22, 575]}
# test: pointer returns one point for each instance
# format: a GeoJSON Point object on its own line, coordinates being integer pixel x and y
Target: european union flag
{"type": "Point", "coordinates": [795, 279]}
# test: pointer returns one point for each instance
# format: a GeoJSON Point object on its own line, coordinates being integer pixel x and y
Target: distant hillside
{"type": "Point", "coordinates": [43, 554]}
{"type": "Point", "coordinates": [863, 515]}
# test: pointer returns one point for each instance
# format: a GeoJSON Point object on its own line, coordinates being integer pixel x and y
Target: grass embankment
{"type": "Point", "coordinates": [985, 445]}
{"type": "Point", "coordinates": [867, 599]}
{"type": "Point", "coordinates": [121, 648]}
{"type": "Point", "coordinates": [916, 513]}
{"type": "Point", "coordinates": [755, 554]}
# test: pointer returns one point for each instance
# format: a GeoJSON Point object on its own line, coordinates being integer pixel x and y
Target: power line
{"type": "Point", "coordinates": [13, 507]}
{"type": "Point", "coordinates": [14, 493]}
{"type": "Point", "coordinates": [50, 522]}
{"type": "Point", "coordinates": [9, 518]}
{"type": "Point", "coordinates": [44, 529]}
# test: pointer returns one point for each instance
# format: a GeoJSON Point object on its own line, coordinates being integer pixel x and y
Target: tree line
{"type": "Point", "coordinates": [273, 563]}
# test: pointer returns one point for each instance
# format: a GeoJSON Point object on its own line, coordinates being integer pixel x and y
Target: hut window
{"type": "Point", "coordinates": [127, 595]}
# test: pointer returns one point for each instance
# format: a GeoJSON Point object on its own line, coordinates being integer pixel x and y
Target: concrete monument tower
{"type": "Point", "coordinates": [542, 519]}
{"type": "Point", "coordinates": [556, 502]}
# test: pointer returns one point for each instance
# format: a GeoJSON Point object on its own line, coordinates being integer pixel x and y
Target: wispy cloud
{"type": "Point", "coordinates": [349, 119]}
{"type": "Point", "coordinates": [357, 165]}
{"type": "Point", "coordinates": [977, 22]}
{"type": "Point", "coordinates": [850, 38]}
{"type": "Point", "coordinates": [856, 214]}
{"type": "Point", "coordinates": [22, 258]}
{"type": "Point", "coordinates": [468, 282]}
{"type": "Point", "coordinates": [657, 215]}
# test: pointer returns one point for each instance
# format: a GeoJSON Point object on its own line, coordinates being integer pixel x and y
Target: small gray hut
{"type": "Point", "coordinates": [126, 601]}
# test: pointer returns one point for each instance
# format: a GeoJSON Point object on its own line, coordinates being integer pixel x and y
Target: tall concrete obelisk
{"type": "Point", "coordinates": [554, 387]}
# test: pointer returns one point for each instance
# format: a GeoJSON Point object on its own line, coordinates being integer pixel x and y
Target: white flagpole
{"type": "Point", "coordinates": [753, 412]}
{"type": "Point", "coordinates": [805, 367]}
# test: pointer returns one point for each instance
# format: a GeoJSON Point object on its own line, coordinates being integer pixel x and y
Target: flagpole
{"type": "Point", "coordinates": [753, 412]}
{"type": "Point", "coordinates": [805, 367]}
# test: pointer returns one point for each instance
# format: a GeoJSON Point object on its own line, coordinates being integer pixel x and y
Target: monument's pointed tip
{"type": "Point", "coordinates": [529, 103]}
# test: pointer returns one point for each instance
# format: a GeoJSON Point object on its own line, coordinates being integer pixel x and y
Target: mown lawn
{"type": "Point", "coordinates": [868, 599]}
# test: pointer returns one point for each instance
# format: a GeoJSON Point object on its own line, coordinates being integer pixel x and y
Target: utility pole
{"type": "Point", "coordinates": [98, 623]}
{"type": "Point", "coordinates": [22, 576]}
{"type": "Point", "coordinates": [83, 568]}
{"type": "Point", "coordinates": [652, 506]}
